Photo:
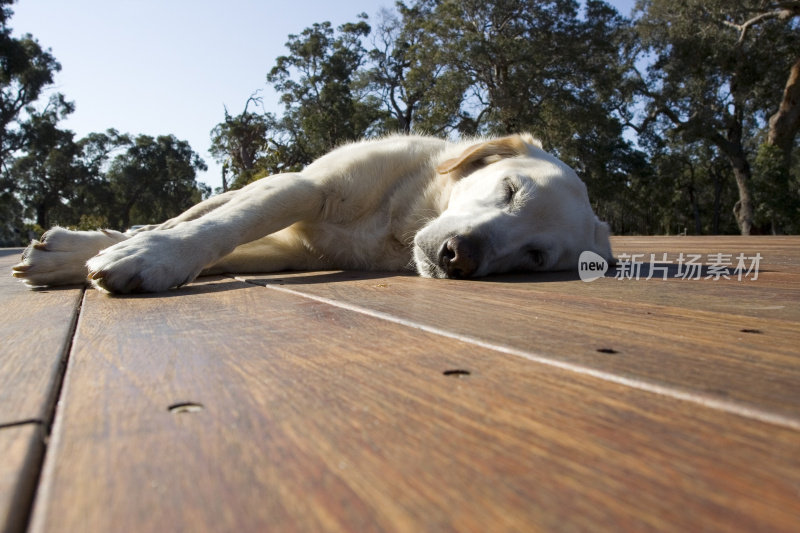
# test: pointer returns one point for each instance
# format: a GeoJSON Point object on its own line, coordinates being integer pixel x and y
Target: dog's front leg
{"type": "Point", "coordinates": [154, 261]}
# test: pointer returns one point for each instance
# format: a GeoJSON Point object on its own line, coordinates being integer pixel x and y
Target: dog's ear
{"type": "Point", "coordinates": [485, 153]}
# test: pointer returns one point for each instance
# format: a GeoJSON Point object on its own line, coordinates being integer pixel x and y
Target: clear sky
{"type": "Point", "coordinates": [169, 66]}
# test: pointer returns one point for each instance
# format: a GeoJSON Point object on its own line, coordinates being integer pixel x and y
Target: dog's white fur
{"type": "Point", "coordinates": [450, 209]}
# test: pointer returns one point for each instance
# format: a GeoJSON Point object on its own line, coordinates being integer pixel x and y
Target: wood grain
{"type": "Point", "coordinates": [35, 330]}
{"type": "Point", "coordinates": [318, 418]}
{"type": "Point", "coordinates": [727, 342]}
{"type": "Point", "coordinates": [21, 449]}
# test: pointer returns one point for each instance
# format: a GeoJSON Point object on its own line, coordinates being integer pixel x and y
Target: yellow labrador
{"type": "Point", "coordinates": [447, 209]}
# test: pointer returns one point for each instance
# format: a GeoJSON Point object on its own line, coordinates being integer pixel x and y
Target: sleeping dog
{"type": "Point", "coordinates": [447, 209]}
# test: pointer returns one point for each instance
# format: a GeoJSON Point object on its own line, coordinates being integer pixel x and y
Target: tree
{"type": "Point", "coordinates": [67, 182]}
{"type": "Point", "coordinates": [240, 144]}
{"type": "Point", "coordinates": [25, 71]}
{"type": "Point", "coordinates": [524, 66]}
{"type": "Point", "coordinates": [691, 188]}
{"type": "Point", "coordinates": [715, 72]}
{"type": "Point", "coordinates": [11, 220]}
{"type": "Point", "coordinates": [46, 175]}
{"type": "Point", "coordinates": [153, 180]}
{"type": "Point", "coordinates": [59, 179]}
{"type": "Point", "coordinates": [785, 122]}
{"type": "Point", "coordinates": [326, 102]}
{"type": "Point", "coordinates": [93, 201]}
{"type": "Point", "coordinates": [508, 49]}
{"type": "Point", "coordinates": [410, 75]}
{"type": "Point", "coordinates": [783, 125]}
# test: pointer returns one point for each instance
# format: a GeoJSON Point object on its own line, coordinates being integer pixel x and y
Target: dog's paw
{"type": "Point", "coordinates": [59, 258]}
{"type": "Point", "coordinates": [152, 261]}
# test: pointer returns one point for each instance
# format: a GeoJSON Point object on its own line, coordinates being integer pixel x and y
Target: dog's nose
{"type": "Point", "coordinates": [458, 257]}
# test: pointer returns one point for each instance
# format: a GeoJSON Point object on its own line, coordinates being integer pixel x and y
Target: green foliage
{"type": "Point", "coordinates": [696, 192]}
{"type": "Point", "coordinates": [25, 70]}
{"type": "Point", "coordinates": [61, 181]}
{"type": "Point", "coordinates": [325, 100]}
{"type": "Point", "coordinates": [410, 74]}
{"type": "Point", "coordinates": [777, 189]}
{"type": "Point", "coordinates": [240, 144]}
{"type": "Point", "coordinates": [91, 222]}
{"type": "Point", "coordinates": [49, 174]}
{"type": "Point", "coordinates": [11, 221]}
{"type": "Point", "coordinates": [718, 70]}
{"type": "Point", "coordinates": [153, 180]}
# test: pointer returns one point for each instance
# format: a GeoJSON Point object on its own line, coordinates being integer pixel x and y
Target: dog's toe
{"type": "Point", "coordinates": [20, 268]}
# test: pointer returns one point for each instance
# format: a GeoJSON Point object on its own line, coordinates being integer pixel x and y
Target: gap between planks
{"type": "Point", "coordinates": [18, 423]}
{"type": "Point", "coordinates": [705, 400]}
{"type": "Point", "coordinates": [52, 419]}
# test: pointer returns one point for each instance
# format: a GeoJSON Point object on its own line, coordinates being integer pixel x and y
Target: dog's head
{"type": "Point", "coordinates": [514, 207]}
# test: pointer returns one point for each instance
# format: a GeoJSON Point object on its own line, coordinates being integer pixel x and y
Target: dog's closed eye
{"type": "Point", "coordinates": [537, 257]}
{"type": "Point", "coordinates": [509, 191]}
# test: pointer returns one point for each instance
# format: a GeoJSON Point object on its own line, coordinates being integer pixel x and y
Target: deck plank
{"type": "Point", "coordinates": [36, 331]}
{"type": "Point", "coordinates": [779, 252]}
{"type": "Point", "coordinates": [319, 418]}
{"type": "Point", "coordinates": [728, 342]}
{"type": "Point", "coordinates": [21, 449]}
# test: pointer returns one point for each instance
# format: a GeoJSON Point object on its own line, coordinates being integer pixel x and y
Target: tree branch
{"type": "Point", "coordinates": [781, 10]}
{"type": "Point", "coordinates": [745, 26]}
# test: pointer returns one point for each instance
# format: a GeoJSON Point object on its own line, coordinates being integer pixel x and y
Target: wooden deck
{"type": "Point", "coordinates": [355, 402]}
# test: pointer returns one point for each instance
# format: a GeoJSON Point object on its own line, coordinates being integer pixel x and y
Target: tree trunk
{"type": "Point", "coordinates": [733, 147]}
{"type": "Point", "coordinates": [783, 125]}
{"type": "Point", "coordinates": [698, 226]}
{"type": "Point", "coordinates": [42, 218]}
{"type": "Point", "coordinates": [125, 216]}
{"type": "Point", "coordinates": [743, 209]}
{"type": "Point", "coordinates": [717, 203]}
